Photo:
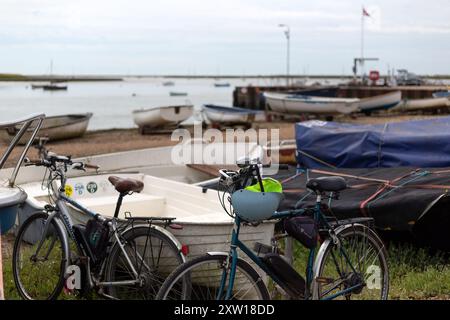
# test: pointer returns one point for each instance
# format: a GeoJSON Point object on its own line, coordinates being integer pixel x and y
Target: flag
{"type": "Point", "coordinates": [365, 13]}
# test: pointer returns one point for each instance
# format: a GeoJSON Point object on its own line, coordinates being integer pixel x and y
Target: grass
{"type": "Point", "coordinates": [415, 273]}
{"type": "Point", "coordinates": [12, 77]}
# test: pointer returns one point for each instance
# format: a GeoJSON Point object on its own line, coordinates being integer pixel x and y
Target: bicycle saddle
{"type": "Point", "coordinates": [124, 185]}
{"type": "Point", "coordinates": [322, 184]}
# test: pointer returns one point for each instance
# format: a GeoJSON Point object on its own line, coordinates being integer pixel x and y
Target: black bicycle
{"type": "Point", "coordinates": [117, 258]}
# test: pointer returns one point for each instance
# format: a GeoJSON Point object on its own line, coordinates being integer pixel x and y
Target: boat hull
{"type": "Point", "coordinates": [55, 128]}
{"type": "Point", "coordinates": [205, 226]}
{"type": "Point", "coordinates": [219, 114]}
{"type": "Point", "coordinates": [380, 102]}
{"type": "Point", "coordinates": [424, 104]}
{"type": "Point", "coordinates": [162, 116]}
{"type": "Point", "coordinates": [286, 103]}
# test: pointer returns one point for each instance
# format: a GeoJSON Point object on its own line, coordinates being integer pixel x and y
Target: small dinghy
{"type": "Point", "coordinates": [162, 116]}
{"type": "Point", "coordinates": [442, 94]}
{"type": "Point", "coordinates": [303, 104]}
{"type": "Point", "coordinates": [54, 87]}
{"type": "Point", "coordinates": [206, 227]}
{"type": "Point", "coordinates": [222, 85]}
{"type": "Point", "coordinates": [59, 127]}
{"type": "Point", "coordinates": [221, 114]}
{"type": "Point", "coordinates": [177, 94]}
{"type": "Point", "coordinates": [422, 104]}
{"type": "Point", "coordinates": [380, 102]}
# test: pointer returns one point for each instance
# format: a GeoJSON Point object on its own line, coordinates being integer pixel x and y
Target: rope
{"type": "Point", "coordinates": [316, 159]}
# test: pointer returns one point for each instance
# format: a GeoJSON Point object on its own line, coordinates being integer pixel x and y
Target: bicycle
{"type": "Point", "coordinates": [350, 263]}
{"type": "Point", "coordinates": [116, 258]}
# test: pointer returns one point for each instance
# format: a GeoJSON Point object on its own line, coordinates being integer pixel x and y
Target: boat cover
{"type": "Point", "coordinates": [420, 143]}
{"type": "Point", "coordinates": [406, 203]}
{"type": "Point", "coordinates": [402, 200]}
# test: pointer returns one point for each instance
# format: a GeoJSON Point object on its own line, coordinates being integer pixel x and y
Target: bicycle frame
{"type": "Point", "coordinates": [236, 243]}
{"type": "Point", "coordinates": [62, 214]}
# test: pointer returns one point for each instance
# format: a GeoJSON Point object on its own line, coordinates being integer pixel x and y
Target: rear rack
{"type": "Point", "coordinates": [164, 219]}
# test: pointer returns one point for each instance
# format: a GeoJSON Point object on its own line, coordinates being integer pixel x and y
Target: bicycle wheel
{"type": "Point", "coordinates": [356, 265]}
{"type": "Point", "coordinates": [39, 275]}
{"type": "Point", "coordinates": [153, 255]}
{"type": "Point", "coordinates": [200, 278]}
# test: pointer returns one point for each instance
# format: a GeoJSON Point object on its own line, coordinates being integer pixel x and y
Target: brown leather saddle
{"type": "Point", "coordinates": [125, 185]}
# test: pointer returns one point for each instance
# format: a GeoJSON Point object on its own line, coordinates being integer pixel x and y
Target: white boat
{"type": "Point", "coordinates": [422, 104]}
{"type": "Point", "coordinates": [380, 102]}
{"type": "Point", "coordinates": [206, 227]}
{"type": "Point", "coordinates": [442, 94]}
{"type": "Point", "coordinates": [165, 162]}
{"type": "Point", "coordinates": [162, 116]}
{"type": "Point", "coordinates": [221, 114]}
{"type": "Point", "coordinates": [59, 127]}
{"type": "Point", "coordinates": [301, 104]}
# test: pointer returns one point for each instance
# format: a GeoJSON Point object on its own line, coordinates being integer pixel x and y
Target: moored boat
{"type": "Point", "coordinates": [442, 94]}
{"type": "Point", "coordinates": [162, 116]}
{"type": "Point", "coordinates": [222, 114]}
{"type": "Point", "coordinates": [205, 226]}
{"type": "Point", "coordinates": [58, 127]}
{"type": "Point", "coordinates": [380, 102]}
{"type": "Point", "coordinates": [423, 104]}
{"type": "Point", "coordinates": [168, 83]}
{"type": "Point", "coordinates": [302, 104]}
{"type": "Point", "coordinates": [221, 85]}
{"type": "Point", "coordinates": [54, 87]}
{"type": "Point", "coordinates": [177, 94]}
{"type": "Point", "coordinates": [37, 86]}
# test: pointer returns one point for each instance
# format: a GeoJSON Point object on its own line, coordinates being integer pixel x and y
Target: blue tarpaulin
{"type": "Point", "coordinates": [421, 143]}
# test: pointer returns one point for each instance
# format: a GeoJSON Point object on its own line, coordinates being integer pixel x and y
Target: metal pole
{"type": "Point", "coordinates": [287, 33]}
{"type": "Point", "coordinates": [362, 45]}
{"type": "Point", "coordinates": [288, 36]}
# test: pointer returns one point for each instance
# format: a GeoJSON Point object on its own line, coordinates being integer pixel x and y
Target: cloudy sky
{"type": "Point", "coordinates": [220, 37]}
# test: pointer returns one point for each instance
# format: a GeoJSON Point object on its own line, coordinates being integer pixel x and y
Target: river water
{"type": "Point", "coordinates": [112, 102]}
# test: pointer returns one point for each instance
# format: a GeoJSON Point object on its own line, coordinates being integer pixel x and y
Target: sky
{"type": "Point", "coordinates": [196, 37]}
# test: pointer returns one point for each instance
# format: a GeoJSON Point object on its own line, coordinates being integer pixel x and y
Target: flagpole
{"type": "Point", "coordinates": [362, 42]}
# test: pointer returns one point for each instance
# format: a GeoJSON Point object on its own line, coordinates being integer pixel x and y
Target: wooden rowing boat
{"type": "Point", "coordinates": [162, 116]}
{"type": "Point", "coordinates": [221, 114]}
{"type": "Point", "coordinates": [302, 104]}
{"type": "Point", "coordinates": [60, 127]}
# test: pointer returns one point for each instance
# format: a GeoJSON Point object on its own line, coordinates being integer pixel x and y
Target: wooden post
{"type": "Point", "coordinates": [2, 295]}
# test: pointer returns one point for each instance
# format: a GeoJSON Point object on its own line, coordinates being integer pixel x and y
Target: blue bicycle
{"type": "Point", "coordinates": [350, 263]}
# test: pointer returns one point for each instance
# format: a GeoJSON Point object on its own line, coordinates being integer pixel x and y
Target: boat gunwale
{"type": "Point", "coordinates": [190, 106]}
{"type": "Point", "coordinates": [80, 117]}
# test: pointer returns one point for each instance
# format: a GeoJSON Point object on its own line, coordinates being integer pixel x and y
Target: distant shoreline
{"type": "Point", "coordinates": [75, 78]}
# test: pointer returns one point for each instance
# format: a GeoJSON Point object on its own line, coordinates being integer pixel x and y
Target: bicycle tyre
{"type": "Point", "coordinates": [171, 252]}
{"type": "Point", "coordinates": [345, 233]}
{"type": "Point", "coordinates": [19, 242]}
{"type": "Point", "coordinates": [220, 259]}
